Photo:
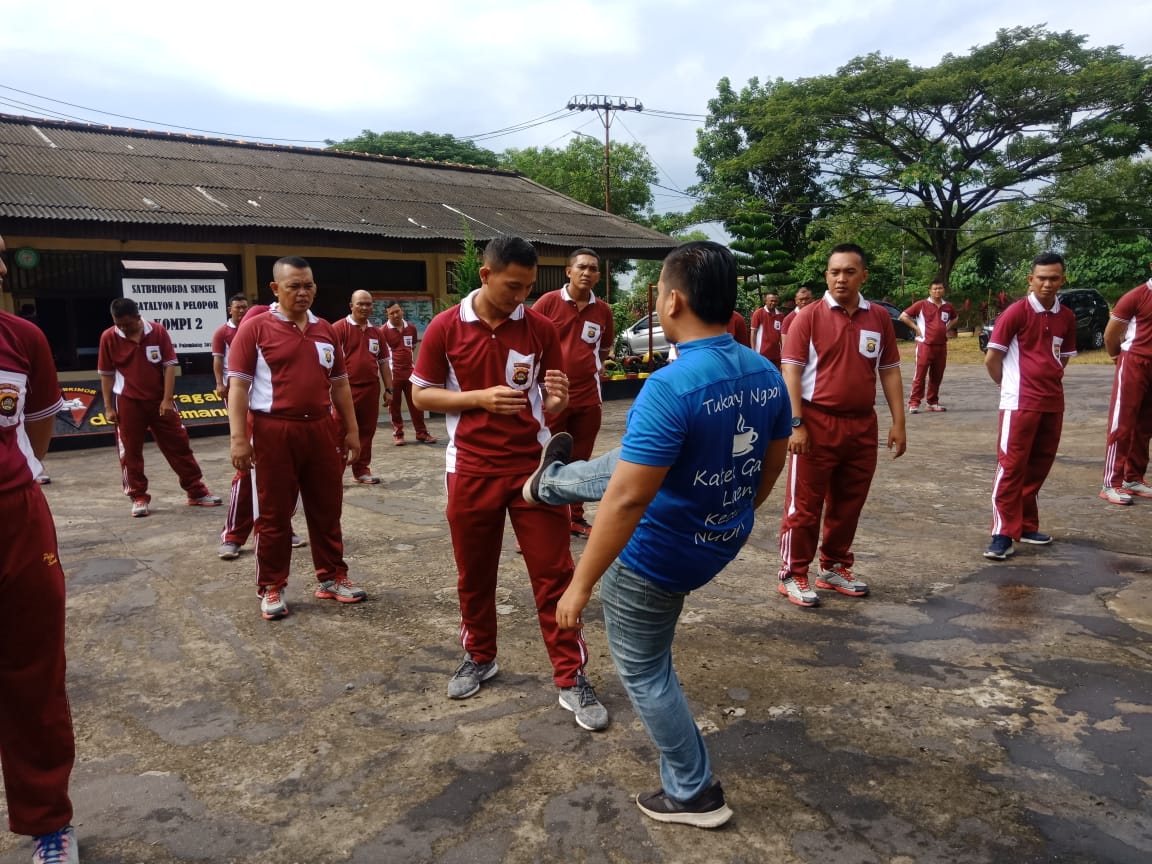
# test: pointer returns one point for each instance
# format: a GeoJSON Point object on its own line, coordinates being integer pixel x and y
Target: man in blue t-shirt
{"type": "Point", "coordinates": [705, 441]}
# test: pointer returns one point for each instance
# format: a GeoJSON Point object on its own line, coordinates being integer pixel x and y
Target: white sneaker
{"type": "Point", "coordinates": [1115, 496]}
{"type": "Point", "coordinates": [59, 847]}
{"type": "Point", "coordinates": [272, 603]}
{"type": "Point", "coordinates": [140, 507]}
{"type": "Point", "coordinates": [798, 591]}
{"type": "Point", "coordinates": [1138, 487]}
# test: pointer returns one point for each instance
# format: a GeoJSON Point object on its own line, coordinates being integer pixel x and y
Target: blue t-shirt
{"type": "Point", "coordinates": [709, 416]}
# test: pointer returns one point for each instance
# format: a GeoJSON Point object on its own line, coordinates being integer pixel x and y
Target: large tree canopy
{"type": "Point", "coordinates": [943, 143]}
{"type": "Point", "coordinates": [418, 145]}
{"type": "Point", "coordinates": [578, 171]}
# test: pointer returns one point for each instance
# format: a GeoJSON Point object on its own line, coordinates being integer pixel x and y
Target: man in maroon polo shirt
{"type": "Point", "coordinates": [587, 331]}
{"type": "Point", "coordinates": [366, 358]}
{"type": "Point", "coordinates": [1128, 340]}
{"type": "Point", "coordinates": [493, 367]}
{"type": "Point", "coordinates": [137, 366]}
{"type": "Point", "coordinates": [766, 322]}
{"type": "Point", "coordinates": [222, 341]}
{"type": "Point", "coordinates": [37, 746]}
{"type": "Point", "coordinates": [802, 299]}
{"type": "Point", "coordinates": [402, 337]}
{"type": "Point", "coordinates": [834, 352]}
{"type": "Point", "coordinates": [295, 374]}
{"type": "Point", "coordinates": [931, 320]}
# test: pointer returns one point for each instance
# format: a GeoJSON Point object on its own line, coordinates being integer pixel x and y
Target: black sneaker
{"type": "Point", "coordinates": [558, 449]}
{"type": "Point", "coordinates": [1036, 538]}
{"type": "Point", "coordinates": [1000, 549]}
{"type": "Point", "coordinates": [706, 810]}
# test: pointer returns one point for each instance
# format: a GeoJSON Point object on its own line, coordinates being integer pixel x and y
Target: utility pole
{"type": "Point", "coordinates": [604, 106]}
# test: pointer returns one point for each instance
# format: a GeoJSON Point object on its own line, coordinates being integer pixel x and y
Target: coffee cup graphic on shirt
{"type": "Point", "coordinates": [744, 438]}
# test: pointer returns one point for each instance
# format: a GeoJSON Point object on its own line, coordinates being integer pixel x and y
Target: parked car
{"type": "Point", "coordinates": [634, 339]}
{"type": "Point", "coordinates": [903, 331]}
{"type": "Point", "coordinates": [1091, 311]}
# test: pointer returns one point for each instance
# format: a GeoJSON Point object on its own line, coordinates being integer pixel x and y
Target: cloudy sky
{"type": "Point", "coordinates": [311, 71]}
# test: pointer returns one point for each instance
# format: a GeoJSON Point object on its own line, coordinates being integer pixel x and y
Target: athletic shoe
{"type": "Point", "coordinates": [59, 847]}
{"type": "Point", "coordinates": [1036, 538]}
{"type": "Point", "coordinates": [229, 551]}
{"type": "Point", "coordinates": [398, 440]}
{"type": "Point", "coordinates": [368, 480]}
{"type": "Point", "coordinates": [205, 501]}
{"type": "Point", "coordinates": [1115, 496]}
{"type": "Point", "coordinates": [798, 591]}
{"type": "Point", "coordinates": [140, 507]}
{"type": "Point", "coordinates": [272, 605]}
{"type": "Point", "coordinates": [706, 810]}
{"type": "Point", "coordinates": [1133, 487]}
{"type": "Point", "coordinates": [558, 449]}
{"type": "Point", "coordinates": [468, 677]}
{"type": "Point", "coordinates": [937, 408]}
{"type": "Point", "coordinates": [580, 527]}
{"type": "Point", "coordinates": [44, 479]}
{"type": "Point", "coordinates": [1000, 549]}
{"type": "Point", "coordinates": [913, 409]}
{"type": "Point", "coordinates": [426, 438]}
{"type": "Point", "coordinates": [839, 578]}
{"type": "Point", "coordinates": [340, 588]}
{"type": "Point", "coordinates": [298, 541]}
{"type": "Point", "coordinates": [581, 700]}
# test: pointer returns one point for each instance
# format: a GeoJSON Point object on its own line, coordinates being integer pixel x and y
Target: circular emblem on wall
{"type": "Point", "coordinates": [26, 258]}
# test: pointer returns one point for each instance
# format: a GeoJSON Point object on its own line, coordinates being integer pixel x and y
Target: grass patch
{"type": "Point", "coordinates": [965, 351]}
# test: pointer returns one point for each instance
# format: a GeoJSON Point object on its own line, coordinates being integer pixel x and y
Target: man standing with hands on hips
{"type": "Point", "coordinates": [931, 320]}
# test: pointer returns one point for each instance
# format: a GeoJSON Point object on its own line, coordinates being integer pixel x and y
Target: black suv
{"type": "Point", "coordinates": [1090, 309]}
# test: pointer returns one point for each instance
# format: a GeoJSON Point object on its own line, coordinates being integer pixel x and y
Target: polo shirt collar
{"type": "Point", "coordinates": [564, 295]}
{"type": "Point", "coordinates": [147, 329]}
{"type": "Point", "coordinates": [832, 304]}
{"type": "Point", "coordinates": [275, 310]}
{"type": "Point", "coordinates": [403, 324]}
{"type": "Point", "coordinates": [1037, 306]}
{"type": "Point", "coordinates": [468, 309]}
{"type": "Point", "coordinates": [229, 323]}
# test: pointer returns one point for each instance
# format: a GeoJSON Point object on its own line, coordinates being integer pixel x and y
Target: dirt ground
{"type": "Point", "coordinates": [967, 711]}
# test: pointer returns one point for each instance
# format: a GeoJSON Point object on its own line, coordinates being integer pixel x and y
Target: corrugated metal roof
{"type": "Point", "coordinates": [54, 170]}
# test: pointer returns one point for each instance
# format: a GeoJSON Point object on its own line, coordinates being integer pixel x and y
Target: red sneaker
{"type": "Point", "coordinates": [426, 438]}
{"type": "Point", "coordinates": [580, 528]}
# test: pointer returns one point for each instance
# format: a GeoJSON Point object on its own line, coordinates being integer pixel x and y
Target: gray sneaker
{"type": "Point", "coordinates": [558, 449]}
{"type": "Point", "coordinates": [1132, 487]}
{"type": "Point", "coordinates": [581, 700]}
{"type": "Point", "coordinates": [298, 541]}
{"type": "Point", "coordinates": [469, 675]}
{"type": "Point", "coordinates": [229, 551]}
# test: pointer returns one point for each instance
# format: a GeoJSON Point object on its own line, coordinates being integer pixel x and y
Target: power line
{"type": "Point", "coordinates": [153, 122]}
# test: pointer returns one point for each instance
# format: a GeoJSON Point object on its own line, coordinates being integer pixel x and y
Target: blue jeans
{"type": "Point", "coordinates": [640, 620]}
{"type": "Point", "coordinates": [577, 482]}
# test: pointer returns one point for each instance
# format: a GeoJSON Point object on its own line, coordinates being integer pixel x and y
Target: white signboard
{"type": "Point", "coordinates": [189, 309]}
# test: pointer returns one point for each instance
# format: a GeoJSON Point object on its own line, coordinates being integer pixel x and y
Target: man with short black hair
{"type": "Point", "coordinates": [493, 367]}
{"type": "Point", "coordinates": [137, 366]}
{"type": "Point", "coordinates": [1032, 342]}
{"type": "Point", "coordinates": [803, 298]}
{"type": "Point", "coordinates": [931, 320]}
{"type": "Point", "coordinates": [706, 439]}
{"type": "Point", "coordinates": [222, 341]}
{"type": "Point", "coordinates": [402, 337]}
{"type": "Point", "coordinates": [587, 333]}
{"type": "Point", "coordinates": [766, 323]}
{"type": "Point", "coordinates": [289, 373]}
{"type": "Point", "coordinates": [835, 350]}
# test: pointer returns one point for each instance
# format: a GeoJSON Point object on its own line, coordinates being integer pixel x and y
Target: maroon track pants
{"type": "Point", "coordinates": [137, 418]}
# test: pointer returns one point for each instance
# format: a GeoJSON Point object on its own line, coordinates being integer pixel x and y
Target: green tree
{"type": "Point", "coordinates": [418, 145]}
{"type": "Point", "coordinates": [466, 270]}
{"type": "Point", "coordinates": [732, 180]}
{"type": "Point", "coordinates": [578, 172]}
{"type": "Point", "coordinates": [948, 142]}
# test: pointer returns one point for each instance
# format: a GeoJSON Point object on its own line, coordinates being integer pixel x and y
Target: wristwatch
{"type": "Point", "coordinates": [797, 422]}
{"type": "Point", "coordinates": [387, 389]}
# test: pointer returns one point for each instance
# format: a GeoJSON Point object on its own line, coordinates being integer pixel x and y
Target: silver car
{"type": "Point", "coordinates": [635, 338]}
